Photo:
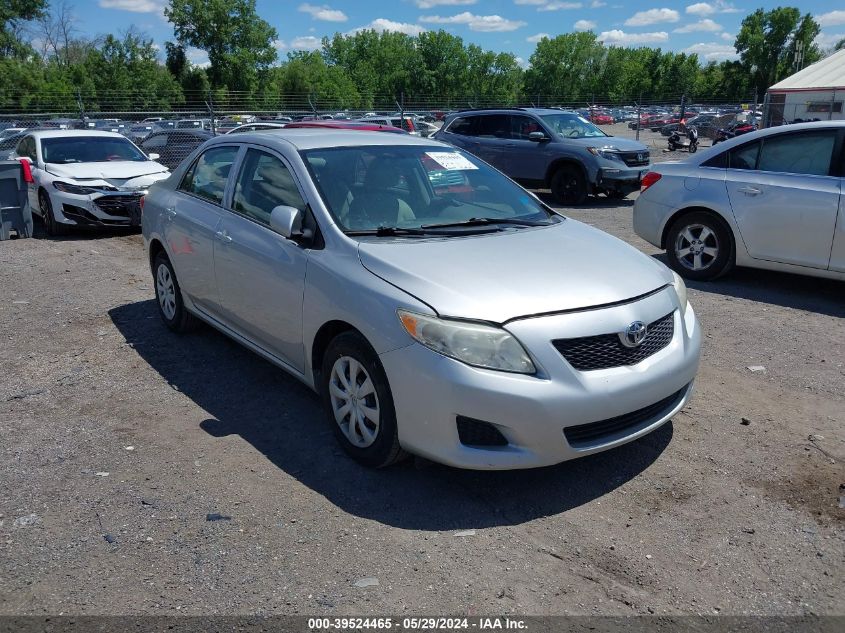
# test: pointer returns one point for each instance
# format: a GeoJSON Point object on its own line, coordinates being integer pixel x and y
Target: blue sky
{"type": "Point", "coordinates": [706, 28]}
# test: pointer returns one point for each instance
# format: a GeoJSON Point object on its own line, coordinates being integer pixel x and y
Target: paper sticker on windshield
{"type": "Point", "coordinates": [450, 160]}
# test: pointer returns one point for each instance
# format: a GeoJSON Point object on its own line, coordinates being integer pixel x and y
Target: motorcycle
{"type": "Point", "coordinates": [723, 134]}
{"type": "Point", "coordinates": [688, 142]}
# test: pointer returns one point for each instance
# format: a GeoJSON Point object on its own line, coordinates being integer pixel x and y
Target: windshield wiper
{"type": "Point", "coordinates": [390, 231]}
{"type": "Point", "coordinates": [486, 222]}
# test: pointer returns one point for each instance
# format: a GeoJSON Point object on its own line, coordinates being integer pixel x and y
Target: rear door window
{"type": "Point", "coordinates": [744, 156]}
{"type": "Point", "coordinates": [208, 176]}
{"type": "Point", "coordinates": [805, 153]}
{"type": "Point", "coordinates": [494, 126]}
{"type": "Point", "coordinates": [463, 125]}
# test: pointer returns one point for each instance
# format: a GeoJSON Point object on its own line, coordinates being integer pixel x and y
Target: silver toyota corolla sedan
{"type": "Point", "coordinates": [770, 199]}
{"type": "Point", "coordinates": [437, 307]}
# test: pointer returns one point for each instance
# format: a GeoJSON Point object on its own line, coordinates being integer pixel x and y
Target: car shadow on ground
{"type": "Point", "coordinates": [813, 294]}
{"type": "Point", "coordinates": [283, 420]}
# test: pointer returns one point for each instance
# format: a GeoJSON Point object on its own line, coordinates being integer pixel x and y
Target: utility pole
{"type": "Point", "coordinates": [799, 55]}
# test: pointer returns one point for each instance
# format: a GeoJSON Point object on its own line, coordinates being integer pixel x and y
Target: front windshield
{"type": "Point", "coordinates": [416, 188]}
{"type": "Point", "coordinates": [89, 149]}
{"type": "Point", "coordinates": [571, 125]}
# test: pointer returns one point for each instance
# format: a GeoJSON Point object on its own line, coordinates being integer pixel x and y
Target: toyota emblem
{"type": "Point", "coordinates": [640, 157]}
{"type": "Point", "coordinates": [634, 334]}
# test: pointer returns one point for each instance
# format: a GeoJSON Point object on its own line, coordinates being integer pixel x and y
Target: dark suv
{"type": "Point", "coordinates": [549, 148]}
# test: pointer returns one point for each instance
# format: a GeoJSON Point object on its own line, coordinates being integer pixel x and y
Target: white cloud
{"type": "Point", "coordinates": [534, 2]}
{"type": "Point", "coordinates": [136, 6]}
{"type": "Point", "coordinates": [430, 4]}
{"type": "Point", "coordinates": [279, 45]}
{"type": "Point", "coordinates": [305, 43]}
{"type": "Point", "coordinates": [828, 40]}
{"type": "Point", "coordinates": [584, 25]}
{"type": "Point", "coordinates": [325, 13]}
{"type": "Point", "coordinates": [652, 16]}
{"type": "Point", "coordinates": [597, 4]}
{"type": "Point", "coordinates": [728, 37]}
{"type": "Point", "coordinates": [482, 23]}
{"type": "Point", "coordinates": [560, 6]}
{"type": "Point", "coordinates": [536, 38]}
{"type": "Point", "coordinates": [382, 24]}
{"type": "Point", "coordinates": [712, 51]}
{"type": "Point", "coordinates": [621, 37]}
{"type": "Point", "coordinates": [701, 8]}
{"type": "Point", "coordinates": [197, 57]}
{"type": "Point", "coordinates": [702, 25]}
{"type": "Point", "coordinates": [832, 18]}
{"type": "Point", "coordinates": [521, 62]}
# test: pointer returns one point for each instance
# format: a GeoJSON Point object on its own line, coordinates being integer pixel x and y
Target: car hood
{"type": "Point", "coordinates": [114, 172]}
{"type": "Point", "coordinates": [519, 272]}
{"type": "Point", "coordinates": [614, 142]}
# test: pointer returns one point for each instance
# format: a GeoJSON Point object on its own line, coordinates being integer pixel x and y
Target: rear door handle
{"type": "Point", "coordinates": [750, 191]}
{"type": "Point", "coordinates": [223, 236]}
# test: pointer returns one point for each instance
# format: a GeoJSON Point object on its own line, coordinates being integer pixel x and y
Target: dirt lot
{"type": "Point", "coordinates": [121, 440]}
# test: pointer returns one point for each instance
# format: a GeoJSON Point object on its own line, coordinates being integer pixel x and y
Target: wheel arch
{"type": "Point", "coordinates": [327, 332]}
{"type": "Point", "coordinates": [567, 162]}
{"type": "Point", "coordinates": [156, 247]}
{"type": "Point", "coordinates": [697, 209]}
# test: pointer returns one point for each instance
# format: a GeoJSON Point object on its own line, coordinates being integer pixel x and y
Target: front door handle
{"type": "Point", "coordinates": [223, 236]}
{"type": "Point", "coordinates": [750, 191]}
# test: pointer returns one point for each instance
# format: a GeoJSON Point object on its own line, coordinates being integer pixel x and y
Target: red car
{"type": "Point", "coordinates": [347, 125]}
{"type": "Point", "coordinates": [601, 118]}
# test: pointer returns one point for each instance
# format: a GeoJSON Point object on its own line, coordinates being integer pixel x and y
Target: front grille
{"type": "Point", "coordinates": [606, 350]}
{"type": "Point", "coordinates": [479, 433]}
{"type": "Point", "coordinates": [123, 206]}
{"type": "Point", "coordinates": [594, 433]}
{"type": "Point", "coordinates": [632, 159]}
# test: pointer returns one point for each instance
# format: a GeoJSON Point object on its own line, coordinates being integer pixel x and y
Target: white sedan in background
{"type": "Point", "coordinates": [86, 178]}
{"type": "Point", "coordinates": [771, 199]}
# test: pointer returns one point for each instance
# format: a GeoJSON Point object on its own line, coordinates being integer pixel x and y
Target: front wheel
{"type": "Point", "coordinates": [358, 402]}
{"type": "Point", "coordinates": [569, 186]}
{"type": "Point", "coordinates": [693, 148]}
{"type": "Point", "coordinates": [699, 246]}
{"type": "Point", "coordinates": [53, 228]}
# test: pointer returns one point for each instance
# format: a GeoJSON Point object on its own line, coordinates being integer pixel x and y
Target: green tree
{"type": "Point", "coordinates": [238, 42]}
{"type": "Point", "coordinates": [767, 42]}
{"type": "Point", "coordinates": [565, 67]}
{"type": "Point", "coordinates": [13, 13]}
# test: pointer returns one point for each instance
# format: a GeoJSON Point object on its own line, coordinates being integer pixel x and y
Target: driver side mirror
{"type": "Point", "coordinates": [537, 137]}
{"type": "Point", "coordinates": [153, 156]}
{"type": "Point", "coordinates": [286, 221]}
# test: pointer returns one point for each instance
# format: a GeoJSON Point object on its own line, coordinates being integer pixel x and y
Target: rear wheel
{"type": "Point", "coordinates": [169, 297]}
{"type": "Point", "coordinates": [693, 148]}
{"type": "Point", "coordinates": [569, 185]}
{"type": "Point", "coordinates": [358, 402]}
{"type": "Point", "coordinates": [699, 246]}
{"type": "Point", "coordinates": [53, 228]}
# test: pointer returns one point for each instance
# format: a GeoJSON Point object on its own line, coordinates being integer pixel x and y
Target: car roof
{"type": "Point", "coordinates": [72, 133]}
{"type": "Point", "coordinates": [306, 138]}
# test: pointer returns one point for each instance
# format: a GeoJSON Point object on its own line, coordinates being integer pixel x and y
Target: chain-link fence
{"type": "Point", "coordinates": [173, 133]}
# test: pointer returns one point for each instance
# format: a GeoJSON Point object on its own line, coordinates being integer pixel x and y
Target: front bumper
{"type": "Point", "coordinates": [624, 179]}
{"type": "Point", "coordinates": [121, 208]}
{"type": "Point", "coordinates": [531, 412]}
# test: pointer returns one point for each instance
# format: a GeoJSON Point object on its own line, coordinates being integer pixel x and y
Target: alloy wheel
{"type": "Point", "coordinates": [697, 247]}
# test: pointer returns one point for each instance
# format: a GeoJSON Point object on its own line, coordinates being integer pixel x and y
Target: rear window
{"type": "Point", "coordinates": [462, 126]}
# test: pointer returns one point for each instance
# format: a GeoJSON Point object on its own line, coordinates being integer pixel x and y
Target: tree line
{"type": "Point", "coordinates": [362, 70]}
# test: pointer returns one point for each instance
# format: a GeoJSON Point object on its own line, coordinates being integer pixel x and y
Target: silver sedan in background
{"type": "Point", "coordinates": [771, 199]}
{"type": "Point", "coordinates": [437, 307]}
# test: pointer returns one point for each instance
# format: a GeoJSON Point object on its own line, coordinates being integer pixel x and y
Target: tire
{"type": "Point", "coordinates": [171, 308]}
{"type": "Point", "coordinates": [353, 385]}
{"type": "Point", "coordinates": [615, 194]}
{"type": "Point", "coordinates": [569, 186]}
{"type": "Point", "coordinates": [53, 228]}
{"type": "Point", "coordinates": [693, 148]}
{"type": "Point", "coordinates": [707, 234]}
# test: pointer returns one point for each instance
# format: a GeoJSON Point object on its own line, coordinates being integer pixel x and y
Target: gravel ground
{"type": "Point", "coordinates": [122, 441]}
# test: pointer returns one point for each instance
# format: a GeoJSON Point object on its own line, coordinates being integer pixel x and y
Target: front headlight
{"type": "Point", "coordinates": [681, 291]}
{"type": "Point", "coordinates": [475, 344]}
{"type": "Point", "coordinates": [78, 190]}
{"type": "Point", "coordinates": [607, 154]}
